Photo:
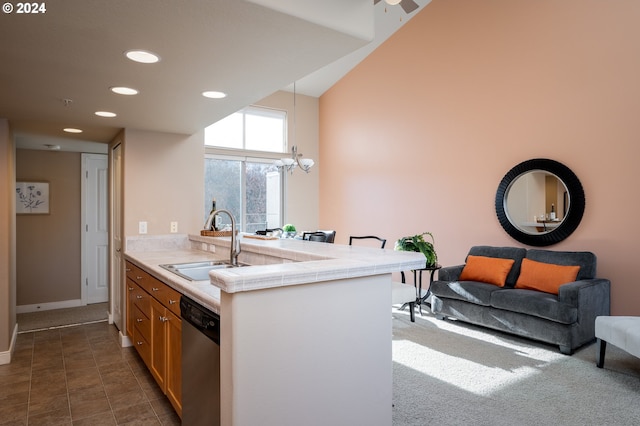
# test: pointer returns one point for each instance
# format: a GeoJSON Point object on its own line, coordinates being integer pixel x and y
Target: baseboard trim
{"type": "Point", "coordinates": [74, 303]}
{"type": "Point", "coordinates": [125, 341]}
{"type": "Point", "coordinates": [5, 357]}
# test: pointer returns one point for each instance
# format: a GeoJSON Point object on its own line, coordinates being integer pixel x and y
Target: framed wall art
{"type": "Point", "coordinates": [32, 197]}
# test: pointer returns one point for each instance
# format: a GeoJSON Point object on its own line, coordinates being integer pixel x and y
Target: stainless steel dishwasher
{"type": "Point", "coordinates": [200, 364]}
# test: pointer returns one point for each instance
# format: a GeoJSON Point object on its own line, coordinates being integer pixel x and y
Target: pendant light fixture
{"type": "Point", "coordinates": [289, 163]}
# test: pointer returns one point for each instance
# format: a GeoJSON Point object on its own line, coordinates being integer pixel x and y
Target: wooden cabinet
{"type": "Point", "coordinates": [173, 379]}
{"type": "Point", "coordinates": [155, 327]}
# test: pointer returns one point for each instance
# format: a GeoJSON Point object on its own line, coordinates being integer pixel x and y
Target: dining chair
{"type": "Point", "coordinates": [368, 237]}
{"type": "Point", "coordinates": [401, 293]}
{"type": "Point", "coordinates": [331, 235]}
{"type": "Point", "coordinates": [322, 236]}
{"type": "Point", "coordinates": [317, 236]}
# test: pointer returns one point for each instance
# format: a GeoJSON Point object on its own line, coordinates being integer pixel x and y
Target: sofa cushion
{"type": "Point", "coordinates": [490, 270]}
{"type": "Point", "coordinates": [545, 277]}
{"type": "Point", "coordinates": [515, 253]}
{"type": "Point", "coordinates": [584, 259]}
{"type": "Point", "coordinates": [535, 303]}
{"type": "Point", "coordinates": [468, 291]}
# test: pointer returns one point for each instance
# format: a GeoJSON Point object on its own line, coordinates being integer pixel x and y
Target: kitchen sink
{"type": "Point", "coordinates": [196, 271]}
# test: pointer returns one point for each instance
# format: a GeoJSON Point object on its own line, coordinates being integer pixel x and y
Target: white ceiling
{"type": "Point", "coordinates": [248, 49]}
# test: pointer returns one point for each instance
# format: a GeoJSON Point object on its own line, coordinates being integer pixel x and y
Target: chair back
{"type": "Point", "coordinates": [368, 237]}
{"type": "Point", "coordinates": [331, 235]}
{"type": "Point", "coordinates": [323, 236]}
{"type": "Point", "coordinates": [315, 236]}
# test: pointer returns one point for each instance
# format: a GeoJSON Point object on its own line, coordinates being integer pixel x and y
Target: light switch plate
{"type": "Point", "coordinates": [142, 227]}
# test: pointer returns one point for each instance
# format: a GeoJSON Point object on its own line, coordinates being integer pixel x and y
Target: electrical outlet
{"type": "Point", "coordinates": [142, 227]}
{"type": "Point", "coordinates": [174, 227]}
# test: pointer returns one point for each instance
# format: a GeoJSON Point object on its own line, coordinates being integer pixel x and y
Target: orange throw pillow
{"type": "Point", "coordinates": [545, 277]}
{"type": "Point", "coordinates": [490, 270]}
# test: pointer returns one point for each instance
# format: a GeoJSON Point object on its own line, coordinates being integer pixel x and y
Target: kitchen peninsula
{"type": "Point", "coordinates": [305, 330]}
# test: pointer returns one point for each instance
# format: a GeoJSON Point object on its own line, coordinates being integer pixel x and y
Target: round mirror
{"type": "Point", "coordinates": [540, 202]}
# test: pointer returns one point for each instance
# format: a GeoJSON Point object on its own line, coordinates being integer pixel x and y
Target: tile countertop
{"type": "Point", "coordinates": [274, 263]}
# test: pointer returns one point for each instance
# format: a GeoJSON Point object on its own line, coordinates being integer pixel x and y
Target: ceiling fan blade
{"type": "Point", "coordinates": [408, 5]}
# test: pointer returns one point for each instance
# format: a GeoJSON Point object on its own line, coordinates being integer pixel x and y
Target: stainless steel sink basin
{"type": "Point", "coordinates": [196, 271]}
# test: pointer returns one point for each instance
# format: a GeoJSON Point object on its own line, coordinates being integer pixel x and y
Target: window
{"type": "Point", "coordinates": [252, 128]}
{"type": "Point", "coordinates": [250, 187]}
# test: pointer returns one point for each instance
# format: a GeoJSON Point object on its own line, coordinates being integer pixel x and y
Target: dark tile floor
{"type": "Point", "coordinates": [79, 376]}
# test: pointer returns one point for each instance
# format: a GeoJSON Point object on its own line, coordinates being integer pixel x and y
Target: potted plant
{"type": "Point", "coordinates": [289, 230]}
{"type": "Point", "coordinates": [419, 244]}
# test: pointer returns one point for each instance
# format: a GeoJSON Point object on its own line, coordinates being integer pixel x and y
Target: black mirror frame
{"type": "Point", "coordinates": [576, 202]}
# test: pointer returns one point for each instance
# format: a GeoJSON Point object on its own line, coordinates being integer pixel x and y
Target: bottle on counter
{"type": "Point", "coordinates": [209, 225]}
{"type": "Point", "coordinates": [552, 215]}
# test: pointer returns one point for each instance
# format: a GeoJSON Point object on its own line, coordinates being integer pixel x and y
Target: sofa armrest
{"type": "Point", "coordinates": [571, 293]}
{"type": "Point", "coordinates": [450, 273]}
{"type": "Point", "coordinates": [591, 297]}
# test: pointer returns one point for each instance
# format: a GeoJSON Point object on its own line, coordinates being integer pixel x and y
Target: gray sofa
{"type": "Point", "coordinates": [566, 319]}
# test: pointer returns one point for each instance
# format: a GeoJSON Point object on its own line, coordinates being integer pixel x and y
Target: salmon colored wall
{"type": "Point", "coordinates": [418, 136]}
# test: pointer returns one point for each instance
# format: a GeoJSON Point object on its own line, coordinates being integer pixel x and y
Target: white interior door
{"type": "Point", "coordinates": [117, 270]}
{"type": "Point", "coordinates": [95, 233]}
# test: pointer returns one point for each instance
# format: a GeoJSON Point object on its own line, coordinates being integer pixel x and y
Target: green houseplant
{"type": "Point", "coordinates": [419, 244]}
{"type": "Point", "coordinates": [289, 230]}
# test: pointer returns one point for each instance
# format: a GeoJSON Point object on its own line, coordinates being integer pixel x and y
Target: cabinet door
{"type": "Point", "coordinates": [174, 361]}
{"type": "Point", "coordinates": [158, 365]}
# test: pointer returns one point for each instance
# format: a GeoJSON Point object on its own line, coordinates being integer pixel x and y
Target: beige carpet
{"type": "Point", "coordinates": [450, 373]}
{"type": "Point", "coordinates": [43, 320]}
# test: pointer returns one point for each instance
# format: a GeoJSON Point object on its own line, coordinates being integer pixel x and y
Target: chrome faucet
{"type": "Point", "coordinates": [235, 243]}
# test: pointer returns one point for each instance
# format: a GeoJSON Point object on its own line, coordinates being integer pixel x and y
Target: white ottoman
{"type": "Point", "coordinates": [623, 332]}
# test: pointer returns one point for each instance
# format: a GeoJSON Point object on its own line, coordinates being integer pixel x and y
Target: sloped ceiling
{"type": "Point", "coordinates": [248, 49]}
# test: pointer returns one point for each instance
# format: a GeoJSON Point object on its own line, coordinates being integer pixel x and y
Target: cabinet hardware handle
{"type": "Point", "coordinates": [140, 343]}
{"type": "Point", "coordinates": [118, 250]}
{"type": "Point", "coordinates": [138, 297]}
{"type": "Point", "coordinates": [155, 288]}
{"type": "Point", "coordinates": [138, 319]}
{"type": "Point", "coordinates": [127, 269]}
{"type": "Point", "coordinates": [138, 277]}
{"type": "Point", "coordinates": [130, 288]}
{"type": "Point", "coordinates": [171, 302]}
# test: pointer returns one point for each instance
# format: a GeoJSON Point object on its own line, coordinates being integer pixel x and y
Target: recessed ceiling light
{"type": "Point", "coordinates": [123, 90]}
{"type": "Point", "coordinates": [72, 130]}
{"type": "Point", "coordinates": [142, 56]}
{"type": "Point", "coordinates": [214, 95]}
{"type": "Point", "coordinates": [105, 114]}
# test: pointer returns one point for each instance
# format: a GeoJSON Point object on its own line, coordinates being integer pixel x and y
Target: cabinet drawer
{"type": "Point", "coordinates": [142, 323]}
{"type": "Point", "coordinates": [139, 276]}
{"type": "Point", "coordinates": [142, 346]}
{"type": "Point", "coordinates": [170, 298]}
{"type": "Point", "coordinates": [132, 271]}
{"type": "Point", "coordinates": [166, 295]}
{"type": "Point", "coordinates": [141, 300]}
